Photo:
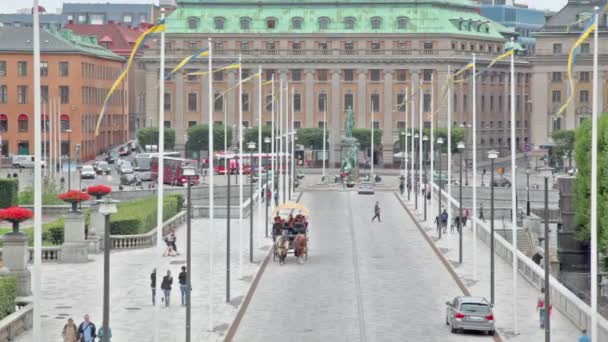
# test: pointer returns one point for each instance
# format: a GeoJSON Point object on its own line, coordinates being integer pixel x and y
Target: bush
{"type": "Point", "coordinates": [49, 195]}
{"type": "Point", "coordinates": [8, 292]}
{"type": "Point", "coordinates": [9, 193]}
{"type": "Point", "coordinates": [139, 217]}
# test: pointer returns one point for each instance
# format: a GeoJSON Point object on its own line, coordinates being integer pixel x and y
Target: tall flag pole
{"type": "Point", "coordinates": [51, 163]}
{"type": "Point", "coordinates": [273, 160]}
{"type": "Point", "coordinates": [371, 174]}
{"type": "Point", "coordinates": [293, 143]}
{"type": "Point", "coordinates": [420, 132]}
{"type": "Point", "coordinates": [241, 155]}
{"type": "Point", "coordinates": [210, 239]}
{"type": "Point", "coordinates": [160, 180]}
{"type": "Point", "coordinates": [324, 136]}
{"type": "Point", "coordinates": [37, 182]}
{"type": "Point", "coordinates": [286, 137]}
{"type": "Point", "coordinates": [474, 128]}
{"type": "Point", "coordinates": [405, 150]}
{"type": "Point", "coordinates": [226, 161]}
{"type": "Point", "coordinates": [413, 124]}
{"type": "Point", "coordinates": [280, 138]}
{"type": "Point", "coordinates": [449, 124]}
{"type": "Point", "coordinates": [432, 139]}
{"type": "Point", "coordinates": [260, 166]}
{"type": "Point", "coordinates": [513, 192]}
{"type": "Point", "coordinates": [594, 147]}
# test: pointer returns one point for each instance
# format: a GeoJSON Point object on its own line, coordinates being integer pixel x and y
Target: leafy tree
{"type": "Point", "coordinates": [198, 137]}
{"type": "Point", "coordinates": [364, 135]}
{"type": "Point", "coordinates": [251, 134]}
{"type": "Point", "coordinates": [563, 144]}
{"type": "Point", "coordinates": [312, 138]}
{"type": "Point", "coordinates": [149, 136]}
{"type": "Point", "coordinates": [582, 183]}
{"type": "Point", "coordinates": [457, 136]}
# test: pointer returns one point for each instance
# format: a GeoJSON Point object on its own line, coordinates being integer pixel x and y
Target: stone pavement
{"type": "Point", "coordinates": [562, 329]}
{"type": "Point", "coordinates": [71, 290]}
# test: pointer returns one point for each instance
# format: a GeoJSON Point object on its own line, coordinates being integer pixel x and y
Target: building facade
{"type": "Point", "coordinates": [366, 55]}
{"type": "Point", "coordinates": [76, 74]}
{"type": "Point", "coordinates": [48, 21]}
{"type": "Point", "coordinates": [99, 14]}
{"type": "Point", "coordinates": [554, 42]}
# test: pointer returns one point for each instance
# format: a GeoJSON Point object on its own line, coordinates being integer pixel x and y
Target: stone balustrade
{"type": "Point", "coordinates": [49, 253]}
{"type": "Point", "coordinates": [147, 239]}
{"type": "Point", "coordinates": [18, 322]}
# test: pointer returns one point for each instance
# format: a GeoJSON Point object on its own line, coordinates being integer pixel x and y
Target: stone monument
{"type": "Point", "coordinates": [75, 248]}
{"type": "Point", "coordinates": [349, 148]}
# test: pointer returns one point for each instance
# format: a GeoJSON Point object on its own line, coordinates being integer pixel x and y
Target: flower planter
{"type": "Point", "coordinates": [74, 197]}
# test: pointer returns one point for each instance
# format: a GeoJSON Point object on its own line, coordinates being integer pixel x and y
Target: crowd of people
{"type": "Point", "coordinates": [85, 332]}
{"type": "Point", "coordinates": [290, 226]}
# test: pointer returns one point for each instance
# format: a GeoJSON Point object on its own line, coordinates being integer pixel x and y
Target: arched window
{"type": "Point", "coordinates": [193, 23]}
{"type": "Point", "coordinates": [22, 121]}
{"type": "Point", "coordinates": [296, 23]}
{"type": "Point", "coordinates": [376, 22]}
{"type": "Point", "coordinates": [349, 23]}
{"type": "Point", "coordinates": [402, 23]}
{"type": "Point", "coordinates": [271, 23]}
{"type": "Point", "coordinates": [65, 122]}
{"type": "Point", "coordinates": [245, 23]}
{"type": "Point", "coordinates": [3, 123]}
{"type": "Point", "coordinates": [219, 23]}
{"type": "Point", "coordinates": [323, 23]}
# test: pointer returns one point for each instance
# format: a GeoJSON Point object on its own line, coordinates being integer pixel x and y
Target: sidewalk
{"type": "Point", "coordinates": [562, 329]}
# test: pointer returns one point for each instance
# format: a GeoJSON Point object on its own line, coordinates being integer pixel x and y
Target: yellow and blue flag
{"type": "Point", "coordinates": [228, 67]}
{"type": "Point", "coordinates": [201, 53]}
{"type": "Point", "coordinates": [159, 27]}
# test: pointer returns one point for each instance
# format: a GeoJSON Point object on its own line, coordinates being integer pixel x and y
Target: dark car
{"type": "Point", "coordinates": [124, 151]}
{"type": "Point", "coordinates": [502, 182]}
{"type": "Point", "coordinates": [129, 179]}
{"type": "Point", "coordinates": [111, 158]}
{"type": "Point", "coordinates": [102, 168]}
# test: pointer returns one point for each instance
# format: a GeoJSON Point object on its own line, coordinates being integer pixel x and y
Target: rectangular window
{"type": "Point", "coordinates": [44, 94]}
{"type": "Point", "coordinates": [245, 124]}
{"type": "Point", "coordinates": [374, 74]}
{"type": "Point", "coordinates": [557, 48]}
{"type": "Point", "coordinates": [3, 94]}
{"type": "Point", "coordinates": [557, 124]}
{"type": "Point", "coordinates": [322, 102]}
{"type": "Point", "coordinates": [491, 103]}
{"type": "Point", "coordinates": [127, 18]}
{"type": "Point", "coordinates": [22, 94]}
{"type": "Point", "coordinates": [269, 74]}
{"type": "Point", "coordinates": [584, 76]}
{"type": "Point", "coordinates": [349, 75]}
{"type": "Point", "coordinates": [192, 102]}
{"type": "Point", "coordinates": [464, 103]}
{"type": "Point", "coordinates": [401, 75]}
{"type": "Point", "coordinates": [218, 103]}
{"type": "Point", "coordinates": [375, 101]}
{"type": "Point", "coordinates": [2, 68]}
{"type": "Point", "coordinates": [297, 124]}
{"type": "Point", "coordinates": [556, 96]}
{"type": "Point", "coordinates": [427, 103]}
{"type": "Point", "coordinates": [296, 75]}
{"type": "Point", "coordinates": [427, 74]}
{"type": "Point", "coordinates": [585, 48]}
{"type": "Point", "coordinates": [44, 68]}
{"type": "Point", "coordinates": [64, 69]}
{"type": "Point", "coordinates": [322, 75]}
{"type": "Point", "coordinates": [483, 103]}
{"type": "Point", "coordinates": [321, 124]}
{"type": "Point", "coordinates": [400, 124]}
{"type": "Point", "coordinates": [375, 46]}
{"type": "Point", "coordinates": [167, 124]}
{"type": "Point", "coordinates": [245, 73]}
{"type": "Point", "coordinates": [22, 125]}
{"type": "Point", "coordinates": [455, 103]}
{"type": "Point", "coordinates": [96, 19]}
{"type": "Point", "coordinates": [376, 124]}
{"type": "Point", "coordinates": [245, 102]}
{"type": "Point", "coordinates": [401, 102]}
{"type": "Point", "coordinates": [168, 102]}
{"type": "Point", "coordinates": [191, 123]}
{"type": "Point", "coordinates": [349, 101]}
{"type": "Point", "coordinates": [556, 77]}
{"type": "Point", "coordinates": [583, 96]}
{"type": "Point", "coordinates": [22, 68]}
{"type": "Point", "coordinates": [268, 123]}
{"type": "Point", "coordinates": [518, 102]}
{"type": "Point", "coordinates": [499, 124]}
{"type": "Point", "coordinates": [218, 75]}
{"type": "Point", "coordinates": [297, 102]}
{"type": "Point", "coordinates": [64, 94]}
{"type": "Point", "coordinates": [500, 107]}
{"type": "Point", "coordinates": [268, 103]}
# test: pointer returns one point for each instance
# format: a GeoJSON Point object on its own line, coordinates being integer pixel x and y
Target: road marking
{"type": "Point", "coordinates": [357, 278]}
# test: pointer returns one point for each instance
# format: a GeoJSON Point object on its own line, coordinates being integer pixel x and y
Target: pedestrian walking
{"type": "Point", "coordinates": [481, 213]}
{"type": "Point", "coordinates": [153, 285]}
{"type": "Point", "coordinates": [169, 240]}
{"type": "Point", "coordinates": [401, 187]}
{"type": "Point", "coordinates": [456, 223]}
{"type": "Point", "coordinates": [183, 284]}
{"type": "Point", "coordinates": [87, 330]}
{"type": "Point", "coordinates": [166, 287]}
{"type": "Point", "coordinates": [268, 195]}
{"type": "Point", "coordinates": [542, 309]}
{"type": "Point", "coordinates": [276, 198]}
{"type": "Point", "coordinates": [101, 335]}
{"type": "Point", "coordinates": [173, 239]}
{"type": "Point", "coordinates": [70, 331]}
{"type": "Point", "coordinates": [584, 337]}
{"type": "Point", "coordinates": [467, 216]}
{"type": "Point", "coordinates": [376, 212]}
{"type": "Point", "coordinates": [444, 220]}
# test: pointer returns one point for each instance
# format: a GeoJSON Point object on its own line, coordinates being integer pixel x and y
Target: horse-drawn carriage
{"type": "Point", "coordinates": [290, 232]}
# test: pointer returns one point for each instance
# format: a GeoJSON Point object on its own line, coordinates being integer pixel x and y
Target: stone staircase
{"type": "Point", "coordinates": [524, 242]}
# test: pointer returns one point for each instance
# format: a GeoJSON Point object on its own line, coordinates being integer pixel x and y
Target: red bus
{"type": "Point", "coordinates": [225, 161]}
{"type": "Point", "coordinates": [174, 170]}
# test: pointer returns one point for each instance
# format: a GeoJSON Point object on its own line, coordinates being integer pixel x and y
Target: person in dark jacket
{"type": "Point", "coordinates": [153, 285]}
{"type": "Point", "coordinates": [166, 287]}
{"type": "Point", "coordinates": [86, 330]}
{"type": "Point", "coordinates": [183, 284]}
{"type": "Point", "coordinates": [377, 212]}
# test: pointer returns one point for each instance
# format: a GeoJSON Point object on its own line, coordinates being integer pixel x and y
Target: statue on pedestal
{"type": "Point", "coordinates": [350, 146]}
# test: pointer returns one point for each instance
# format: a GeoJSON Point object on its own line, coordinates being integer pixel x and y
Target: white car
{"type": "Point", "coordinates": [87, 171]}
{"type": "Point", "coordinates": [25, 161]}
{"type": "Point", "coordinates": [366, 188]}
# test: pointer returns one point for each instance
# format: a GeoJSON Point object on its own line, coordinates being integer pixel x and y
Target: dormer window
{"type": "Point", "coordinates": [402, 23]}
{"type": "Point", "coordinates": [376, 22]}
{"type": "Point", "coordinates": [296, 23]}
{"type": "Point", "coordinates": [245, 23]}
{"type": "Point", "coordinates": [193, 23]}
{"type": "Point", "coordinates": [349, 23]}
{"type": "Point", "coordinates": [323, 23]}
{"type": "Point", "coordinates": [219, 23]}
{"type": "Point", "coordinates": [271, 23]}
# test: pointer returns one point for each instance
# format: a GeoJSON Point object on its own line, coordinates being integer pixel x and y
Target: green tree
{"type": "Point", "coordinates": [313, 138]}
{"type": "Point", "coordinates": [364, 136]}
{"type": "Point", "coordinates": [582, 183]}
{"type": "Point", "coordinates": [563, 144]}
{"type": "Point", "coordinates": [198, 137]}
{"type": "Point", "coordinates": [457, 136]}
{"type": "Point", "coordinates": [251, 135]}
{"type": "Point", "coordinates": [149, 136]}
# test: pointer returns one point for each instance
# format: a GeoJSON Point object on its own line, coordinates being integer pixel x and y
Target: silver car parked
{"type": "Point", "coordinates": [470, 313]}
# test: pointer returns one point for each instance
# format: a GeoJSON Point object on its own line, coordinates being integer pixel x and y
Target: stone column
{"type": "Point", "coordinates": [152, 100]}
{"type": "Point", "coordinates": [388, 138]}
{"type": "Point", "coordinates": [15, 257]}
{"type": "Point", "coordinates": [97, 229]}
{"type": "Point", "coordinates": [361, 98]}
{"type": "Point", "coordinates": [309, 98]}
{"type": "Point", "coordinates": [74, 248]}
{"type": "Point", "coordinates": [180, 95]}
{"type": "Point", "coordinates": [333, 101]}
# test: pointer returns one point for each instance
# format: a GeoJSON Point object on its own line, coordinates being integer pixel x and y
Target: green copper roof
{"type": "Point", "coordinates": [435, 17]}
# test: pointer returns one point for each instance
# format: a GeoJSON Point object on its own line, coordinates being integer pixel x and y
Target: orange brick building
{"type": "Point", "coordinates": [76, 74]}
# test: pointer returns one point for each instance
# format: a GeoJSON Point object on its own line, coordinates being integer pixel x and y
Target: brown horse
{"type": "Point", "coordinates": [281, 246]}
{"type": "Point", "coordinates": [300, 246]}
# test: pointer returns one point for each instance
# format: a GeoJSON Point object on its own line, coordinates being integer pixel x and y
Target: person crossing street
{"type": "Point", "coordinates": [377, 212]}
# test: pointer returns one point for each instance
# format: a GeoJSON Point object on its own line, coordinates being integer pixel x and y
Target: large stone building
{"type": "Point", "coordinates": [76, 73]}
{"type": "Point", "coordinates": [362, 54]}
{"type": "Point", "coordinates": [99, 14]}
{"type": "Point", "coordinates": [553, 44]}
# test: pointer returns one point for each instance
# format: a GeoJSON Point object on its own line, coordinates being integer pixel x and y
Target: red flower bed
{"type": "Point", "coordinates": [15, 214]}
{"type": "Point", "coordinates": [74, 196]}
{"type": "Point", "coordinates": [99, 190]}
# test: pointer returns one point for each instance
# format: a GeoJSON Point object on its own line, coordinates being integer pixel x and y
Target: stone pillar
{"type": "Point", "coordinates": [335, 129]}
{"type": "Point", "coordinates": [309, 98]}
{"type": "Point", "coordinates": [97, 229]}
{"type": "Point", "coordinates": [361, 98]}
{"type": "Point", "coordinates": [180, 141]}
{"type": "Point", "coordinates": [74, 248]}
{"type": "Point", "coordinates": [388, 138]}
{"type": "Point", "coordinates": [152, 100]}
{"type": "Point", "coordinates": [15, 257]}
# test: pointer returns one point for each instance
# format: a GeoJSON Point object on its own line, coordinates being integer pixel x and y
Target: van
{"type": "Point", "coordinates": [24, 161]}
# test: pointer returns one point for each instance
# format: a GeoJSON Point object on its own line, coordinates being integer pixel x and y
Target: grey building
{"type": "Point", "coordinates": [99, 14]}
{"type": "Point", "coordinates": [25, 20]}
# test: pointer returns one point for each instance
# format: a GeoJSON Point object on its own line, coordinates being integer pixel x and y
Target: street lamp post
{"type": "Point", "coordinates": [107, 207]}
{"type": "Point", "coordinates": [251, 147]}
{"type": "Point", "coordinates": [409, 180]}
{"type": "Point", "coordinates": [461, 149]}
{"type": "Point", "coordinates": [189, 171]}
{"type": "Point", "coordinates": [466, 139]}
{"type": "Point", "coordinates": [425, 139]}
{"type": "Point", "coordinates": [440, 144]}
{"type": "Point", "coordinates": [267, 141]}
{"type": "Point", "coordinates": [415, 185]}
{"type": "Point", "coordinates": [492, 155]}
{"type": "Point", "coordinates": [528, 192]}
{"type": "Point", "coordinates": [69, 132]}
{"type": "Point", "coordinates": [403, 152]}
{"type": "Point", "coordinates": [228, 160]}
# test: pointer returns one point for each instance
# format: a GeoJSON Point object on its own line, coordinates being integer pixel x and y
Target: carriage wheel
{"type": "Point", "coordinates": [274, 254]}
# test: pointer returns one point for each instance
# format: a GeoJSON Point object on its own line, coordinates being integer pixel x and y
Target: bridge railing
{"type": "Point", "coordinates": [562, 298]}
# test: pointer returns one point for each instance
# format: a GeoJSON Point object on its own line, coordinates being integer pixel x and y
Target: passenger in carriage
{"type": "Point", "coordinates": [278, 219]}
{"type": "Point", "coordinates": [290, 220]}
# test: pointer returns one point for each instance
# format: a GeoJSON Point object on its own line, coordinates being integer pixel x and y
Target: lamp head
{"type": "Point", "coordinates": [415, 135]}
{"type": "Point", "coordinates": [267, 140]}
{"type": "Point", "coordinates": [251, 145]}
{"type": "Point", "coordinates": [189, 170]}
{"type": "Point", "coordinates": [492, 154]}
{"type": "Point", "coordinates": [409, 134]}
{"type": "Point", "coordinates": [440, 141]}
{"type": "Point", "coordinates": [461, 145]}
{"type": "Point", "coordinates": [425, 138]}
{"type": "Point", "coordinates": [107, 206]}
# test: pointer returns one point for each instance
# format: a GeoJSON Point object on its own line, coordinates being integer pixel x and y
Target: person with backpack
{"type": "Point", "coordinates": [542, 308]}
{"type": "Point", "coordinates": [166, 287]}
{"type": "Point", "coordinates": [87, 330]}
{"type": "Point", "coordinates": [444, 220]}
{"type": "Point", "coordinates": [183, 284]}
{"type": "Point", "coordinates": [70, 331]}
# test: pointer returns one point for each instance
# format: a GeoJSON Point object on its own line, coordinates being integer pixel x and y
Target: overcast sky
{"type": "Point", "coordinates": [10, 6]}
